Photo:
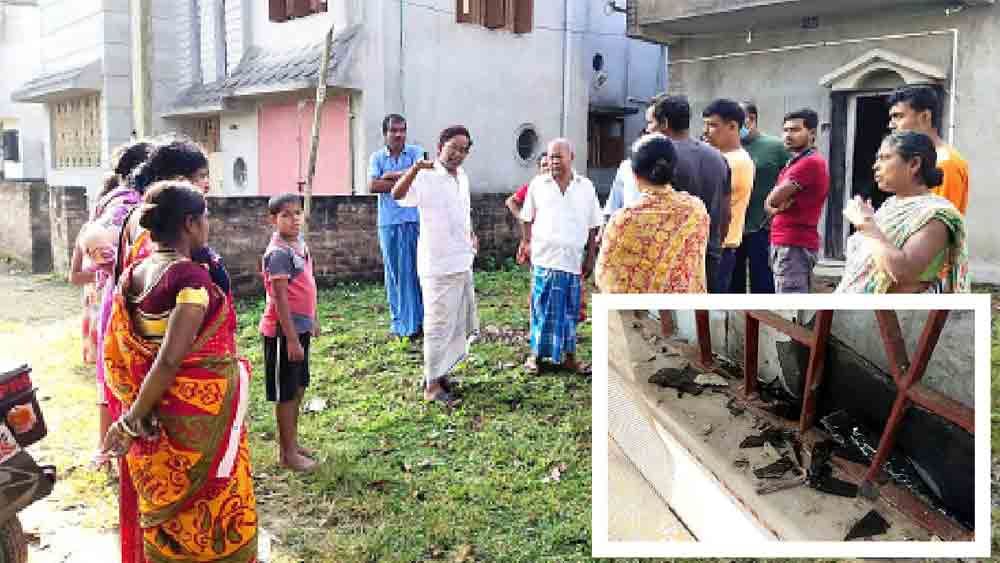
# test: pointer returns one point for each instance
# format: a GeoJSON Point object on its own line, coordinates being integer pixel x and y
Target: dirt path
{"type": "Point", "coordinates": [34, 299]}
{"type": "Point", "coordinates": [40, 324]}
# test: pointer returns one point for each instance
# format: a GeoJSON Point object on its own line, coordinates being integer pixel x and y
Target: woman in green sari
{"type": "Point", "coordinates": [916, 241]}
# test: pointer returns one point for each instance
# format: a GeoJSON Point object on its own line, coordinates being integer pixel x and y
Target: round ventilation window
{"type": "Point", "coordinates": [240, 173]}
{"type": "Point", "coordinates": [527, 143]}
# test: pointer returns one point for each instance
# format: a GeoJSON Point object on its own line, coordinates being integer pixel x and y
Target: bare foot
{"type": "Point", "coordinates": [298, 462]}
{"type": "Point", "coordinates": [581, 368]}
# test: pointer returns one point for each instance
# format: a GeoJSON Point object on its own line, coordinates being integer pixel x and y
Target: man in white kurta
{"type": "Point", "coordinates": [560, 219]}
{"type": "Point", "coordinates": [445, 251]}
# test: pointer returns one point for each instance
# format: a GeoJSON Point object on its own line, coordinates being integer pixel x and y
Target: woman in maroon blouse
{"type": "Point", "coordinates": [173, 365]}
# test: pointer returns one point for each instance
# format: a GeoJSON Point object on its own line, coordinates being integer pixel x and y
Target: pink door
{"type": "Point", "coordinates": [284, 135]}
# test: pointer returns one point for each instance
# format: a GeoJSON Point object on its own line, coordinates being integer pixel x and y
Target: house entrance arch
{"type": "Point", "coordinates": [859, 92]}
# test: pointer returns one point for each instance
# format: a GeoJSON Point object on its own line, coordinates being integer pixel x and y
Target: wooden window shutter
{"type": "Point", "coordinates": [299, 8]}
{"type": "Point", "coordinates": [496, 14]}
{"type": "Point", "coordinates": [523, 15]}
{"type": "Point", "coordinates": [469, 11]}
{"type": "Point", "coordinates": [277, 12]}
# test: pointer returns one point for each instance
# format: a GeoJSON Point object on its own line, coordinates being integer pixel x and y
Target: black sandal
{"type": "Point", "coordinates": [447, 399]}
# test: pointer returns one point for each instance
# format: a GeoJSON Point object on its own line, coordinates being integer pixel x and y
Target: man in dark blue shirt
{"type": "Point", "coordinates": [701, 171]}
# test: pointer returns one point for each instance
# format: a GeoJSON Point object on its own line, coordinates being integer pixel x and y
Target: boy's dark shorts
{"type": "Point", "coordinates": [283, 378]}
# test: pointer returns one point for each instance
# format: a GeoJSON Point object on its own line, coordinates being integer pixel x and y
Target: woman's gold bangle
{"type": "Point", "coordinates": [125, 427]}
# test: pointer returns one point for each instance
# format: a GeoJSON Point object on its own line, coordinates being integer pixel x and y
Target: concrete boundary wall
{"type": "Point", "coordinates": [24, 224]}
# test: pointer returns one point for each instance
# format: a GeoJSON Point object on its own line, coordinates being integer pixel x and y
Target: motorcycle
{"type": "Point", "coordinates": [22, 481]}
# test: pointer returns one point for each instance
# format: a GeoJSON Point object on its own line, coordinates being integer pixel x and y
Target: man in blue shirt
{"type": "Point", "coordinates": [623, 192]}
{"type": "Point", "coordinates": [398, 228]}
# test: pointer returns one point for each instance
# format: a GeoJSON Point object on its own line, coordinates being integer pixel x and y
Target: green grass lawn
{"type": "Point", "coordinates": [505, 477]}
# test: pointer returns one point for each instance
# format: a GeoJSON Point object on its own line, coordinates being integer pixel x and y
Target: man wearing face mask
{"type": "Point", "coordinates": [769, 157]}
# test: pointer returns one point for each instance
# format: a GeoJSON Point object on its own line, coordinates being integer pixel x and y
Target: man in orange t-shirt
{"type": "Point", "coordinates": [916, 109]}
{"type": "Point", "coordinates": [723, 120]}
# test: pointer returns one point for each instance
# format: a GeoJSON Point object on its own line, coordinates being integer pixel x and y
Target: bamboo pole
{"type": "Point", "coordinates": [324, 71]}
{"type": "Point", "coordinates": [142, 49]}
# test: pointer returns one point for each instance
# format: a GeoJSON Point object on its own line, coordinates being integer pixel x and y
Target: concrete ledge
{"type": "Point", "coordinates": [635, 510]}
{"type": "Point", "coordinates": [706, 479]}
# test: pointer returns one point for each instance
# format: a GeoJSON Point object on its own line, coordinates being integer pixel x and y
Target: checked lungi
{"type": "Point", "coordinates": [555, 309]}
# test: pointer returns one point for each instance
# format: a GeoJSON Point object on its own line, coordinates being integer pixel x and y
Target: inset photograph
{"type": "Point", "coordinates": [763, 432]}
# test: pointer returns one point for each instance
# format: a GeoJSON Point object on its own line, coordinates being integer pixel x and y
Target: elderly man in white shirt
{"type": "Point", "coordinates": [560, 220]}
{"type": "Point", "coordinates": [445, 251]}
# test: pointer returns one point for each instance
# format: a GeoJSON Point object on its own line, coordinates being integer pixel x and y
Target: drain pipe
{"type": "Point", "coordinates": [564, 123]}
{"type": "Point", "coordinates": [954, 86]}
{"type": "Point", "coordinates": [402, 75]}
{"type": "Point", "coordinates": [803, 46]}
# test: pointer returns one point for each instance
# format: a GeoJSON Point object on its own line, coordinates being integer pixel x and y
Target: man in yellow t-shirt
{"type": "Point", "coordinates": [723, 120]}
{"type": "Point", "coordinates": [916, 109]}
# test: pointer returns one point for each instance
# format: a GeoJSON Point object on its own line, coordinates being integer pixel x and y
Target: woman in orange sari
{"type": "Point", "coordinates": [171, 361]}
{"type": "Point", "coordinates": [656, 245]}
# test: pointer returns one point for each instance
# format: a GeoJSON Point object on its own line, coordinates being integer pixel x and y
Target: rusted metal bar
{"type": "Point", "coordinates": [906, 502]}
{"type": "Point", "coordinates": [943, 406]}
{"type": "Point", "coordinates": [888, 439]}
{"type": "Point", "coordinates": [704, 338]}
{"type": "Point", "coordinates": [895, 346]}
{"type": "Point", "coordinates": [925, 346]}
{"type": "Point", "coordinates": [750, 352]}
{"type": "Point", "coordinates": [814, 373]}
{"type": "Point", "coordinates": [796, 331]}
{"type": "Point", "coordinates": [666, 323]}
{"type": "Point", "coordinates": [903, 500]}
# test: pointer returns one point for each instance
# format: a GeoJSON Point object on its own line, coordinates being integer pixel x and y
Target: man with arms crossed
{"type": "Point", "coordinates": [796, 204]}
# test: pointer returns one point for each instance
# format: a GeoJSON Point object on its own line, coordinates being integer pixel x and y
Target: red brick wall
{"type": "Point", "coordinates": [343, 236]}
{"type": "Point", "coordinates": [39, 226]}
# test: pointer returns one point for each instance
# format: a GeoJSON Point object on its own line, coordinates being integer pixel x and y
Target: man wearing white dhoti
{"type": "Point", "coordinates": [445, 251]}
